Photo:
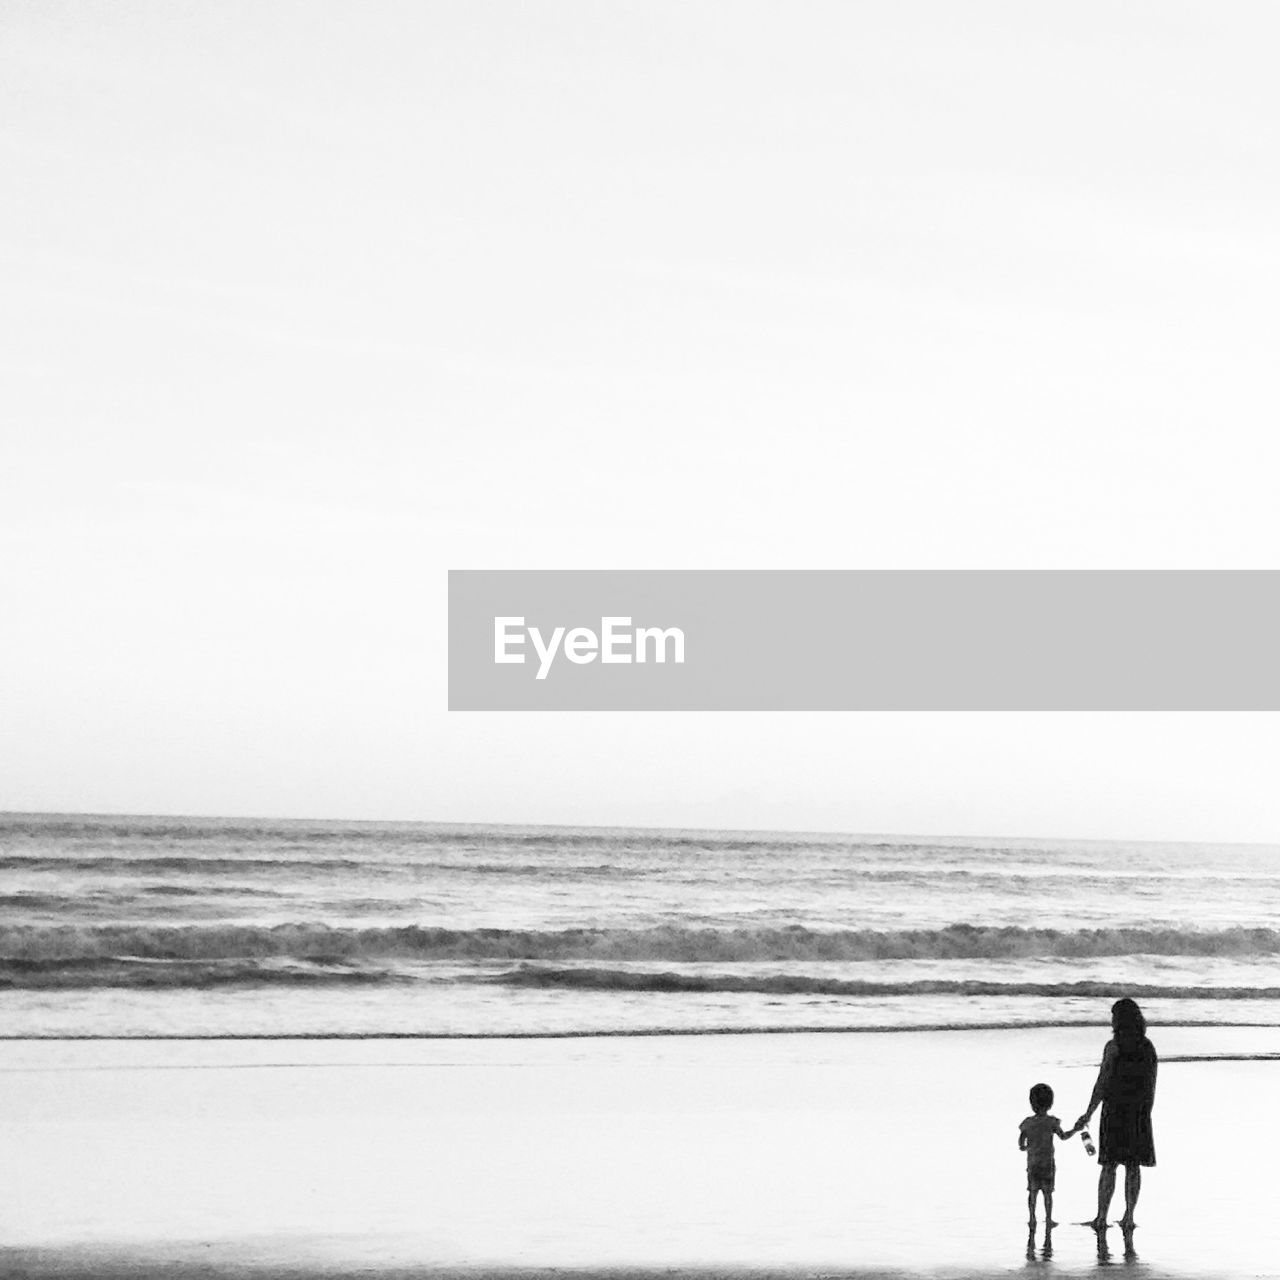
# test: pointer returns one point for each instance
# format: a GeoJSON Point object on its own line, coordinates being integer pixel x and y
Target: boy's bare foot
{"type": "Point", "coordinates": [1127, 1223]}
{"type": "Point", "coordinates": [1049, 1222]}
{"type": "Point", "coordinates": [1098, 1224]}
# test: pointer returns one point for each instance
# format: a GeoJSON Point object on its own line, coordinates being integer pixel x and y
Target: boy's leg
{"type": "Point", "coordinates": [1048, 1209]}
{"type": "Point", "coordinates": [1031, 1207]}
{"type": "Point", "coordinates": [1132, 1188]}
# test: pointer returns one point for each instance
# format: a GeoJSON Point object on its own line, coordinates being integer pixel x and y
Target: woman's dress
{"type": "Point", "coordinates": [1124, 1135]}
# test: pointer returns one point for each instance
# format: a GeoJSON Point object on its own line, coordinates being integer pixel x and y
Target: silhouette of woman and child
{"type": "Point", "coordinates": [1126, 1090]}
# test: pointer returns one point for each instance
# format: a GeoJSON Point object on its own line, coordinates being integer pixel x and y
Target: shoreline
{"type": "Point", "coordinates": [637, 1033]}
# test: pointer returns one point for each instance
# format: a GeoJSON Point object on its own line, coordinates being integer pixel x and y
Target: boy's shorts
{"type": "Point", "coordinates": [1040, 1177]}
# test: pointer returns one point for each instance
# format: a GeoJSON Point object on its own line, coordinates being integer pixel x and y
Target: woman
{"type": "Point", "coordinates": [1126, 1088]}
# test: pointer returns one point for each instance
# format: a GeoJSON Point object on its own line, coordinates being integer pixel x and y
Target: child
{"type": "Point", "coordinates": [1035, 1137]}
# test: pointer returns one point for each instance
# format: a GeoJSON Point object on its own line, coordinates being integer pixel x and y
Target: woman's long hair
{"type": "Point", "coordinates": [1127, 1021]}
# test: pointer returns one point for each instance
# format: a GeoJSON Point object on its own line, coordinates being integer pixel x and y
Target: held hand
{"type": "Point", "coordinates": [1081, 1123]}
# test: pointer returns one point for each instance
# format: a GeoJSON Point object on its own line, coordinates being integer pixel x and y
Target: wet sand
{"type": "Point", "coordinates": [159, 1265]}
{"type": "Point", "coordinates": [834, 1155]}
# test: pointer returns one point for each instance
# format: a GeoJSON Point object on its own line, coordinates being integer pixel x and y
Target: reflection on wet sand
{"type": "Point", "coordinates": [1105, 1257]}
{"type": "Point", "coordinates": [1046, 1250]}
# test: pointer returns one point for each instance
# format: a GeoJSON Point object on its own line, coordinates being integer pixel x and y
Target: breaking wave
{"type": "Point", "coordinates": [594, 979]}
{"type": "Point", "coordinates": [311, 941]}
{"type": "Point", "coordinates": [136, 973]}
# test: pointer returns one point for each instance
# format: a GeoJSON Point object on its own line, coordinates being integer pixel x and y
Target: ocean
{"type": "Point", "coordinates": [220, 927]}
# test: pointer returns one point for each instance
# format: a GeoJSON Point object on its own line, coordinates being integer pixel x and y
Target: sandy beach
{"type": "Point", "coordinates": [808, 1153]}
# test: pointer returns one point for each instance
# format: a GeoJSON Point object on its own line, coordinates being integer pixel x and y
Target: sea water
{"type": "Point", "coordinates": [116, 926]}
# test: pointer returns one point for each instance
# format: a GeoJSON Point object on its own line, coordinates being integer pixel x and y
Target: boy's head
{"type": "Point", "coordinates": [1041, 1098]}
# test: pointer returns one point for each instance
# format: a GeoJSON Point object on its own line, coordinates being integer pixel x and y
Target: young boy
{"type": "Point", "coordinates": [1035, 1137]}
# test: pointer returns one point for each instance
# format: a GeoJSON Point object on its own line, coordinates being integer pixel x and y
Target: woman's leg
{"type": "Point", "coordinates": [1132, 1186]}
{"type": "Point", "coordinates": [1106, 1189]}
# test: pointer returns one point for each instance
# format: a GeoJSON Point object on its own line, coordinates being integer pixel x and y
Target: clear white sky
{"type": "Point", "coordinates": [306, 303]}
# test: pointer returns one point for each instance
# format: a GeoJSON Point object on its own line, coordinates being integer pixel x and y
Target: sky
{"type": "Point", "coordinates": [307, 303]}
